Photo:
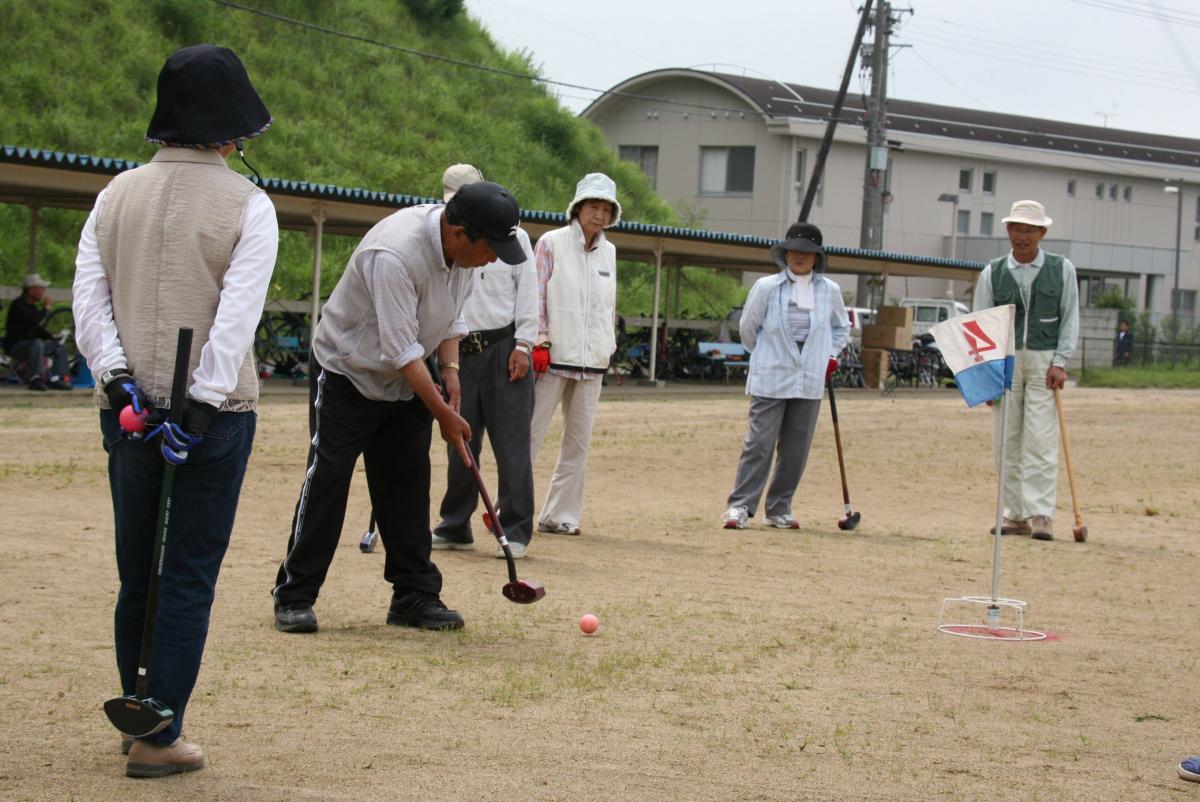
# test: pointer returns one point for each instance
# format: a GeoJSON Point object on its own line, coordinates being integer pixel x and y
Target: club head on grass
{"type": "Point", "coordinates": [1080, 533]}
{"type": "Point", "coordinates": [138, 717]}
{"type": "Point", "coordinates": [850, 521]}
{"type": "Point", "coordinates": [524, 591]}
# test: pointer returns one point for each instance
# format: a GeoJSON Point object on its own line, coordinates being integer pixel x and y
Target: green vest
{"type": "Point", "coordinates": [1045, 295]}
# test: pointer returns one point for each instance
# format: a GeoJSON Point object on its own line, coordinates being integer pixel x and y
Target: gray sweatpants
{"type": "Point", "coordinates": [785, 424]}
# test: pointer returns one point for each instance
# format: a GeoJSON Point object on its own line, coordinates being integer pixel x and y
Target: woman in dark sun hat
{"type": "Point", "coordinates": [182, 241]}
{"type": "Point", "coordinates": [794, 324]}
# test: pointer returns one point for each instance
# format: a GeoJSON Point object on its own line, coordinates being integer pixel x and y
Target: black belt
{"type": "Point", "coordinates": [479, 341]}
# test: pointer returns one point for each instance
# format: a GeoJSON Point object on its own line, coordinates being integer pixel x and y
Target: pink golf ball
{"type": "Point", "coordinates": [131, 421]}
{"type": "Point", "coordinates": [589, 624]}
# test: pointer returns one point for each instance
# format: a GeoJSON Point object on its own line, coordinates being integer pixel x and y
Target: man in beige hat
{"type": "Point", "coordinates": [1043, 288]}
{"type": "Point", "coordinates": [27, 340]}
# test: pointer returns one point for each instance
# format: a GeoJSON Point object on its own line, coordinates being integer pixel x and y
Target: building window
{"type": "Point", "coordinates": [964, 222]}
{"type": "Point", "coordinates": [1100, 190]}
{"type": "Point", "coordinates": [1196, 235]}
{"type": "Point", "coordinates": [1185, 302]}
{"type": "Point", "coordinates": [989, 183]}
{"type": "Point", "coordinates": [965, 178]}
{"type": "Point", "coordinates": [798, 175]}
{"type": "Point", "coordinates": [985, 224]}
{"type": "Point", "coordinates": [727, 171]}
{"type": "Point", "coordinates": [1112, 191]}
{"type": "Point", "coordinates": [644, 156]}
{"type": "Point", "coordinates": [1127, 194]}
{"type": "Point", "coordinates": [1071, 187]}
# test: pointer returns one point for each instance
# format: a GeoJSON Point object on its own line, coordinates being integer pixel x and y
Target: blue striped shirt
{"type": "Point", "coordinates": [778, 367]}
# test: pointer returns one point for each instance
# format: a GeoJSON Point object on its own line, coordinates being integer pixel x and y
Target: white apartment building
{"type": "Point", "coordinates": [742, 149]}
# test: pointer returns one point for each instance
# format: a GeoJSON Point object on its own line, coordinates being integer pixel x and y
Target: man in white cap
{"type": "Point", "coordinates": [497, 392]}
{"type": "Point", "coordinates": [577, 296]}
{"type": "Point", "coordinates": [1043, 288]}
{"type": "Point", "coordinates": [27, 340]}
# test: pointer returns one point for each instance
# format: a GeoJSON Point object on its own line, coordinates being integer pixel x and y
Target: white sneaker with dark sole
{"type": "Point", "coordinates": [785, 521]}
{"type": "Point", "coordinates": [563, 528]}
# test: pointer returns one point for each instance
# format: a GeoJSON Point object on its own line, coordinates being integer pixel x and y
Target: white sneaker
{"type": "Point", "coordinates": [735, 518]}
{"type": "Point", "coordinates": [785, 521]}
{"type": "Point", "coordinates": [446, 544]}
{"type": "Point", "coordinates": [563, 528]}
{"type": "Point", "coordinates": [518, 550]}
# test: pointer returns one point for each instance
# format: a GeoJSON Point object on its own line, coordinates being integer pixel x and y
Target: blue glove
{"type": "Point", "coordinates": [176, 443]}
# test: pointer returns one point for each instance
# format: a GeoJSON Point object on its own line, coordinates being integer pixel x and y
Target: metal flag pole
{"type": "Point", "coordinates": [993, 610]}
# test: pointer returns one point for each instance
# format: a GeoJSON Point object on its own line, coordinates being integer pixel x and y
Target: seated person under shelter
{"type": "Point", "coordinates": [26, 339]}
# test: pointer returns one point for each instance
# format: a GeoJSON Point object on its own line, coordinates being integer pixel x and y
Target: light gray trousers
{"type": "Point", "coordinates": [783, 424]}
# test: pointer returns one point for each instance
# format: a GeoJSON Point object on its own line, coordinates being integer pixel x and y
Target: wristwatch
{"type": "Point", "coordinates": [448, 366]}
{"type": "Point", "coordinates": [111, 374]}
{"type": "Point", "coordinates": [523, 348]}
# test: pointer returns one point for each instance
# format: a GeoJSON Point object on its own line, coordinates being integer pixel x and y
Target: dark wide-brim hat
{"type": "Point", "coordinates": [206, 100]}
{"type": "Point", "coordinates": [802, 237]}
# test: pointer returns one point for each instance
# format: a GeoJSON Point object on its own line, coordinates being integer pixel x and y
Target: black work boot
{"type": "Point", "coordinates": [416, 608]}
{"type": "Point", "coordinates": [296, 617]}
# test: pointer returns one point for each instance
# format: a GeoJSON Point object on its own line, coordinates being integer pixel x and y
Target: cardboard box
{"type": "Point", "coordinates": [874, 367]}
{"type": "Point", "coordinates": [896, 316]}
{"type": "Point", "coordinates": [892, 338]}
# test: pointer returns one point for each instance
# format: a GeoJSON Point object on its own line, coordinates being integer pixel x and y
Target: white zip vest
{"type": "Point", "coordinates": [581, 301]}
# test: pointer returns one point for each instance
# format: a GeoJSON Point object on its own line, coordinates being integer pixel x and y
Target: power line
{"type": "Point", "coordinates": [312, 26]}
{"type": "Point", "coordinates": [1145, 12]}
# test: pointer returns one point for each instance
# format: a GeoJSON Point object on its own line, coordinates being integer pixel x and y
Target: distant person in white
{"type": "Point", "coordinates": [577, 299]}
{"type": "Point", "coordinates": [1043, 288]}
{"type": "Point", "coordinates": [496, 383]}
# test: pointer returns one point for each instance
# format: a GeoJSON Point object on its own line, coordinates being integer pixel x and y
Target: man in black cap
{"type": "Point", "coordinates": [399, 301]}
{"type": "Point", "coordinates": [181, 241]}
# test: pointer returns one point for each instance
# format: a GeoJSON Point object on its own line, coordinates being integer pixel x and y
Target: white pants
{"type": "Point", "coordinates": [564, 497]}
{"type": "Point", "coordinates": [1031, 461]}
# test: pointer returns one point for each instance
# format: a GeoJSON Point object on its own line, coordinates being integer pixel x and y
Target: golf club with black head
{"type": "Point", "coordinates": [521, 591]}
{"type": "Point", "coordinates": [851, 518]}
{"type": "Point", "coordinates": [140, 715]}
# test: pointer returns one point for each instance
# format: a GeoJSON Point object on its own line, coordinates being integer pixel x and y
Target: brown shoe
{"type": "Point", "coordinates": [1010, 526]}
{"type": "Point", "coordinates": [148, 760]}
{"type": "Point", "coordinates": [1043, 527]}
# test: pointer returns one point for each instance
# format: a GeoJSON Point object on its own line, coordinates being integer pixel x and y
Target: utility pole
{"type": "Point", "coordinates": [874, 178]}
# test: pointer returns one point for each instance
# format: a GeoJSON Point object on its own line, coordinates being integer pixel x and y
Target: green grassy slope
{"type": "Point", "coordinates": [81, 77]}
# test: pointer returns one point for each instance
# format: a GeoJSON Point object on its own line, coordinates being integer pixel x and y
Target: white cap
{"type": "Point", "coordinates": [458, 176]}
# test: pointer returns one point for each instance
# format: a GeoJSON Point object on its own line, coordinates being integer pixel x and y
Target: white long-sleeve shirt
{"type": "Point", "coordinates": [505, 294]}
{"type": "Point", "coordinates": [243, 293]}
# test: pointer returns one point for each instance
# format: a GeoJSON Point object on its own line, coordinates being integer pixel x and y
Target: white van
{"type": "Point", "coordinates": [928, 311]}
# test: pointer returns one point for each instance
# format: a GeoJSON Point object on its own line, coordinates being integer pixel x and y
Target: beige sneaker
{"type": "Point", "coordinates": [1043, 527]}
{"type": "Point", "coordinates": [1012, 526]}
{"type": "Point", "coordinates": [148, 760]}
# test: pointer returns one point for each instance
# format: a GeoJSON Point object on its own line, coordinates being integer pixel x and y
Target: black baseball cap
{"type": "Point", "coordinates": [491, 210]}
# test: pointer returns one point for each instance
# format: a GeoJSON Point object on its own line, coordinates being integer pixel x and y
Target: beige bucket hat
{"type": "Point", "coordinates": [458, 176]}
{"type": "Point", "coordinates": [596, 186]}
{"type": "Point", "coordinates": [1029, 212]}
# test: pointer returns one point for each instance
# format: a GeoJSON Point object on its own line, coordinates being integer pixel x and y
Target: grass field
{"type": "Point", "coordinates": [1162, 377]}
{"type": "Point", "coordinates": [754, 665]}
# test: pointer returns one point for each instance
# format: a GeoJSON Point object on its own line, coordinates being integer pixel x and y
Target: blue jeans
{"type": "Point", "coordinates": [204, 501]}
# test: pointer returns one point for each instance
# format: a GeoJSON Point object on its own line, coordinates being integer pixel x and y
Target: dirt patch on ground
{"type": "Point", "coordinates": [756, 665]}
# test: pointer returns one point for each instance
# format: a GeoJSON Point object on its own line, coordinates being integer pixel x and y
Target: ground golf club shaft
{"type": "Point", "coordinates": [1080, 531]}
{"type": "Point", "coordinates": [139, 715]}
{"type": "Point", "coordinates": [517, 590]}
{"type": "Point", "coordinates": [851, 518]}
